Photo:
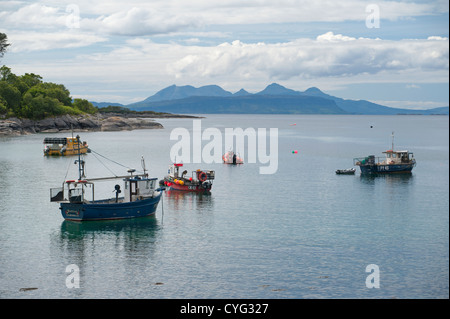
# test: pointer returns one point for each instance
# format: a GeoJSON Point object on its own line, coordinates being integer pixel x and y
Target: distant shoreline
{"type": "Point", "coordinates": [85, 123]}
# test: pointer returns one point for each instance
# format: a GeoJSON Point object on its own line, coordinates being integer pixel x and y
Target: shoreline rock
{"type": "Point", "coordinates": [66, 123]}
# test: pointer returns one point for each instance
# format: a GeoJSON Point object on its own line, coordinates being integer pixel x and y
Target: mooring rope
{"type": "Point", "coordinates": [104, 165]}
{"type": "Point", "coordinates": [109, 160]}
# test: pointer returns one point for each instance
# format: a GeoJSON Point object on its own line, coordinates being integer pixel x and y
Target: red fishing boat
{"type": "Point", "coordinates": [199, 181]}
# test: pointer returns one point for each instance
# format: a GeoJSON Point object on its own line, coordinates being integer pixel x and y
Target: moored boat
{"type": "Point", "coordinates": [393, 162]}
{"type": "Point", "coordinates": [348, 171]}
{"type": "Point", "coordinates": [199, 181]}
{"type": "Point", "coordinates": [64, 146]}
{"type": "Point", "coordinates": [78, 203]}
{"type": "Point", "coordinates": [231, 157]}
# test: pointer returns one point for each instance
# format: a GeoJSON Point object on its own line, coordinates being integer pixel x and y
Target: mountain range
{"type": "Point", "coordinates": [274, 99]}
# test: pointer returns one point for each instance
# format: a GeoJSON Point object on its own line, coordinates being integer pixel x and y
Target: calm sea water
{"type": "Point", "coordinates": [303, 232]}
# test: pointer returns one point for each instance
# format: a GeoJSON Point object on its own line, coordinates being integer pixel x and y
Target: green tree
{"type": "Point", "coordinates": [3, 106]}
{"type": "Point", "coordinates": [3, 44]}
{"type": "Point", "coordinates": [52, 90]}
{"type": "Point", "coordinates": [84, 106]}
{"type": "Point", "coordinates": [11, 95]}
{"type": "Point", "coordinates": [28, 96]}
{"type": "Point", "coordinates": [7, 75]}
{"type": "Point", "coordinates": [31, 79]}
{"type": "Point", "coordinates": [40, 107]}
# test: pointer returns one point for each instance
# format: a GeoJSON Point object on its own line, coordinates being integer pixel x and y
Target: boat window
{"type": "Point", "coordinates": [394, 155]}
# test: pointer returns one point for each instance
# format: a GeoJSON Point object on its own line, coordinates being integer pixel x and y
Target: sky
{"type": "Point", "coordinates": [395, 53]}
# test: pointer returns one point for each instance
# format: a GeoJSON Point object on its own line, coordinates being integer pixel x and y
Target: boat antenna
{"type": "Point", "coordinates": [143, 165]}
{"type": "Point", "coordinates": [392, 141]}
{"type": "Point", "coordinates": [79, 161]}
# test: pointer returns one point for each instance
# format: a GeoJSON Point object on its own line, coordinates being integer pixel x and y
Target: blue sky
{"type": "Point", "coordinates": [395, 53]}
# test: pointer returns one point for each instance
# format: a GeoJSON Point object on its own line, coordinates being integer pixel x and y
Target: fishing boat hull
{"type": "Point", "coordinates": [187, 186]}
{"type": "Point", "coordinates": [199, 182]}
{"type": "Point", "coordinates": [65, 146]}
{"type": "Point", "coordinates": [66, 152]}
{"type": "Point", "coordinates": [386, 168]}
{"type": "Point", "coordinates": [105, 210]}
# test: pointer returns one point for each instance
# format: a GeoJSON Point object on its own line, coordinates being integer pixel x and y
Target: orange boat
{"type": "Point", "coordinates": [62, 146]}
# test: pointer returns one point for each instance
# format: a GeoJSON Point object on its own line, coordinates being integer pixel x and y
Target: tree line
{"type": "Point", "coordinates": [28, 96]}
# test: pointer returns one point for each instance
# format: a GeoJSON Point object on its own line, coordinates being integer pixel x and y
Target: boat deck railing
{"type": "Point", "coordinates": [367, 160]}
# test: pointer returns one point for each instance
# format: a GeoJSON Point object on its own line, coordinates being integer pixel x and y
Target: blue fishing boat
{"type": "Point", "coordinates": [393, 162]}
{"type": "Point", "coordinates": [78, 203]}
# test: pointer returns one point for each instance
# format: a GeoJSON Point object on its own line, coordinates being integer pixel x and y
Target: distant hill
{"type": "Point", "coordinates": [248, 104]}
{"type": "Point", "coordinates": [105, 104]}
{"type": "Point", "coordinates": [241, 92]}
{"type": "Point", "coordinates": [174, 92]}
{"type": "Point", "coordinates": [274, 99]}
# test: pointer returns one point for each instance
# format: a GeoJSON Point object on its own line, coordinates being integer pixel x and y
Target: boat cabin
{"type": "Point", "coordinates": [174, 172]}
{"type": "Point", "coordinates": [64, 146]}
{"type": "Point", "coordinates": [397, 157]}
{"type": "Point", "coordinates": [136, 187]}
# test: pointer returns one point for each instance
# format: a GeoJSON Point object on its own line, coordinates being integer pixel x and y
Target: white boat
{"type": "Point", "coordinates": [231, 157]}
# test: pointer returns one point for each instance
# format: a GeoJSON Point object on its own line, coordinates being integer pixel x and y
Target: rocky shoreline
{"type": "Point", "coordinates": [67, 123]}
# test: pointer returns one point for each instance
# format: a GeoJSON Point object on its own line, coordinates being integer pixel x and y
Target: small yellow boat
{"type": "Point", "coordinates": [64, 146]}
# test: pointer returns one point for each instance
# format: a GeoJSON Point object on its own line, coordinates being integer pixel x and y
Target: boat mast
{"type": "Point", "coordinates": [143, 165]}
{"type": "Point", "coordinates": [392, 141]}
{"type": "Point", "coordinates": [79, 161]}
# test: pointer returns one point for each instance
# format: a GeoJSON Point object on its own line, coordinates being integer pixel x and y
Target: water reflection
{"type": "Point", "coordinates": [179, 200]}
{"type": "Point", "coordinates": [389, 188]}
{"type": "Point", "coordinates": [131, 228]}
{"type": "Point", "coordinates": [123, 239]}
{"type": "Point", "coordinates": [393, 179]}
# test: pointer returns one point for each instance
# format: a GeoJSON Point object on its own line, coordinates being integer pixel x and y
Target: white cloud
{"type": "Point", "coordinates": [135, 17]}
{"type": "Point", "coordinates": [414, 105]}
{"type": "Point", "coordinates": [35, 16]}
{"type": "Point", "coordinates": [138, 21]}
{"type": "Point", "coordinates": [40, 41]}
{"type": "Point", "coordinates": [331, 37]}
{"type": "Point", "coordinates": [329, 55]}
{"type": "Point", "coordinates": [118, 57]}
